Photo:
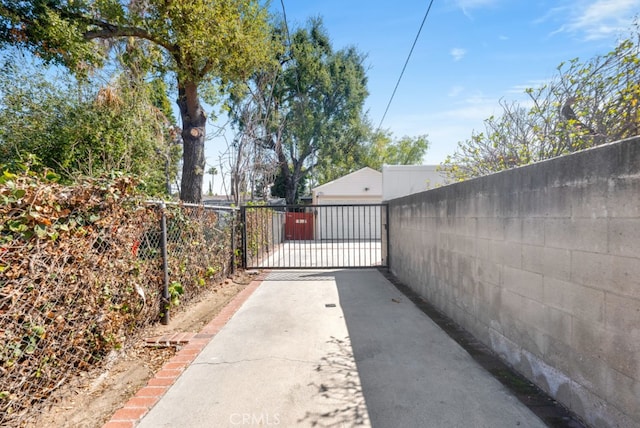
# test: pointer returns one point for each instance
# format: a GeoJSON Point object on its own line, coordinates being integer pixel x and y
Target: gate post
{"type": "Point", "coordinates": [385, 236]}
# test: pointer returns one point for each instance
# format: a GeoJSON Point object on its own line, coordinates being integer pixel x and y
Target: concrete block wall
{"type": "Point", "coordinates": [542, 264]}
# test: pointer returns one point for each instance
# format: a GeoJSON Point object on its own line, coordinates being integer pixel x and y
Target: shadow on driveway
{"type": "Point", "coordinates": [341, 348]}
{"type": "Point", "coordinates": [398, 367]}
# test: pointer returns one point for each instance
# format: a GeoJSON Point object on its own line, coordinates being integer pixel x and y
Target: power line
{"type": "Point", "coordinates": [405, 64]}
{"type": "Point", "coordinates": [286, 25]}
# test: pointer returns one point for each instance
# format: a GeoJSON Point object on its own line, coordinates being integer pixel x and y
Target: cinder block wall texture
{"type": "Point", "coordinates": [542, 264]}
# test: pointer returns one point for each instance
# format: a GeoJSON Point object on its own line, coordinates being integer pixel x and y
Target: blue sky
{"type": "Point", "coordinates": [470, 54]}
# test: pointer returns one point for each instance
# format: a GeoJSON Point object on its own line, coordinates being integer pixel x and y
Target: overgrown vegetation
{"type": "Point", "coordinates": [80, 128]}
{"type": "Point", "coordinates": [198, 42]}
{"type": "Point", "coordinates": [585, 104]}
{"type": "Point", "coordinates": [262, 226]}
{"type": "Point", "coordinates": [199, 245]}
{"type": "Point", "coordinates": [81, 273]}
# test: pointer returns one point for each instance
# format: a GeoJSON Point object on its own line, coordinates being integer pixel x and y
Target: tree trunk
{"type": "Point", "coordinates": [289, 179]}
{"type": "Point", "coordinates": [193, 133]}
{"type": "Point", "coordinates": [291, 190]}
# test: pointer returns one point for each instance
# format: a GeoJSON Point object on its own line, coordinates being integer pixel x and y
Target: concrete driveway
{"type": "Point", "coordinates": [321, 255]}
{"type": "Point", "coordinates": [335, 349]}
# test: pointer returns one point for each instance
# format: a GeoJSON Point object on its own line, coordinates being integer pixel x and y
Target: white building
{"type": "Point", "coordinates": [349, 219]}
{"type": "Point", "coordinates": [360, 187]}
{"type": "Point", "coordinates": [403, 180]}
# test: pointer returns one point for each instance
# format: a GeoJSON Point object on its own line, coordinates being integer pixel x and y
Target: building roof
{"type": "Point", "coordinates": [365, 181]}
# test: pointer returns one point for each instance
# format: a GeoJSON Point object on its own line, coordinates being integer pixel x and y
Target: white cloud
{"type": "Point", "coordinates": [531, 84]}
{"type": "Point", "coordinates": [468, 5]}
{"type": "Point", "coordinates": [474, 108]}
{"type": "Point", "coordinates": [458, 53]}
{"type": "Point", "coordinates": [445, 128]}
{"type": "Point", "coordinates": [455, 91]}
{"type": "Point", "coordinates": [604, 17]}
{"type": "Point", "coordinates": [474, 4]}
{"type": "Point", "coordinates": [595, 19]}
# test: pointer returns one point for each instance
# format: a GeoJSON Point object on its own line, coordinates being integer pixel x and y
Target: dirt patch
{"type": "Point", "coordinates": [90, 399]}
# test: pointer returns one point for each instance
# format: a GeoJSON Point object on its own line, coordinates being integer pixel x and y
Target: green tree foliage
{"type": "Point", "coordinates": [279, 187]}
{"type": "Point", "coordinates": [198, 40]}
{"type": "Point", "coordinates": [405, 151]}
{"type": "Point", "coordinates": [381, 149]}
{"type": "Point", "coordinates": [77, 130]}
{"type": "Point", "coordinates": [586, 104]}
{"type": "Point", "coordinates": [308, 111]}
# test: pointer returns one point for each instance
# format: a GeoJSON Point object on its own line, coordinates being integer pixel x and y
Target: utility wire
{"type": "Point", "coordinates": [405, 65]}
{"type": "Point", "coordinates": [286, 25]}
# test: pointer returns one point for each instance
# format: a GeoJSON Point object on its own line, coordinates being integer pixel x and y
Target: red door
{"type": "Point", "coordinates": [298, 226]}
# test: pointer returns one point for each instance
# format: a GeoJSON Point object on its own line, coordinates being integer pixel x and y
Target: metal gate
{"type": "Point", "coordinates": [314, 236]}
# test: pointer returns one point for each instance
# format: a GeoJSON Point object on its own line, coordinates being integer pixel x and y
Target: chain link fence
{"type": "Point", "coordinates": [82, 271]}
{"type": "Point", "coordinates": [263, 232]}
{"type": "Point", "coordinates": [202, 243]}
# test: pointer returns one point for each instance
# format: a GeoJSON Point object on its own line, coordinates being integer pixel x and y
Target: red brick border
{"type": "Point", "coordinates": [140, 404]}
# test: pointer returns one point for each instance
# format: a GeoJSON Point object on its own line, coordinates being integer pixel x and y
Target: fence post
{"type": "Point", "coordinates": [165, 301]}
{"type": "Point", "coordinates": [234, 225]}
{"type": "Point", "coordinates": [387, 223]}
{"type": "Point", "coordinates": [243, 225]}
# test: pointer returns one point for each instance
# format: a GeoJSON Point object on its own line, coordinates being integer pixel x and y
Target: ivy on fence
{"type": "Point", "coordinates": [199, 245]}
{"type": "Point", "coordinates": [81, 273]}
{"type": "Point", "coordinates": [261, 225]}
